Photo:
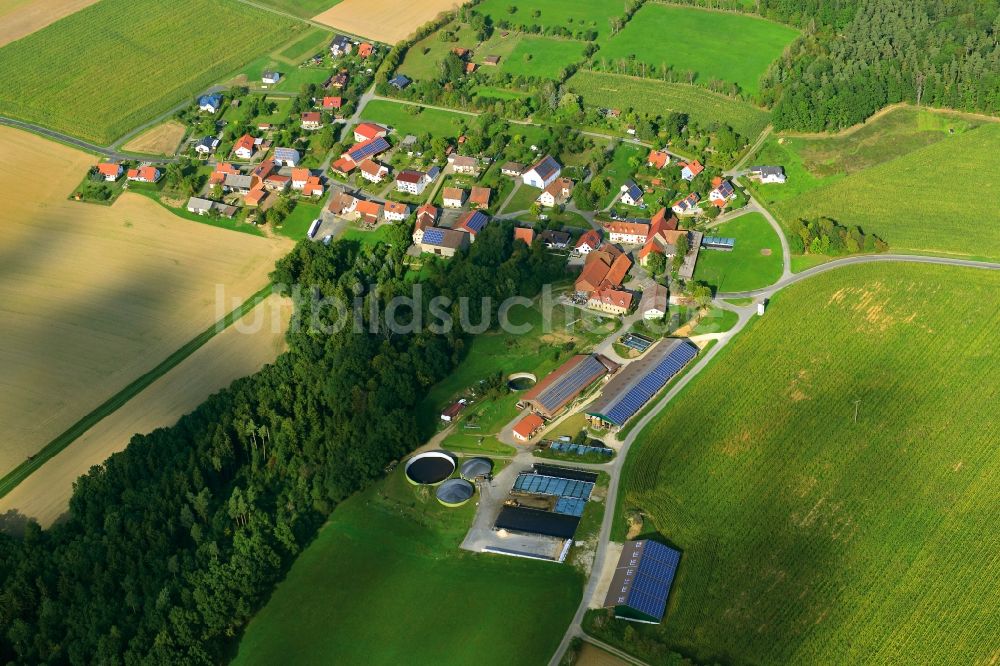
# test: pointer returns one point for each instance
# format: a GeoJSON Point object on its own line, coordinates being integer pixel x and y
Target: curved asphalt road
{"type": "Point", "coordinates": [746, 313]}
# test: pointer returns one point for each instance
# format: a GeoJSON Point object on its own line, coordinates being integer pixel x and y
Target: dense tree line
{"type": "Point", "coordinates": [933, 52]}
{"type": "Point", "coordinates": [170, 546]}
{"type": "Point", "coordinates": [827, 236]}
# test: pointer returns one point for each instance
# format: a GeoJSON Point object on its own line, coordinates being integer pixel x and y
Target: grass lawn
{"type": "Point", "coordinates": [315, 40]}
{"type": "Point", "coordinates": [716, 320]}
{"type": "Point", "coordinates": [409, 119]}
{"type": "Point", "coordinates": [574, 15]}
{"type": "Point", "coordinates": [621, 169]}
{"type": "Point", "coordinates": [292, 76]}
{"type": "Point", "coordinates": [543, 57]}
{"type": "Point", "coordinates": [812, 537]}
{"type": "Point", "coordinates": [657, 97]}
{"type": "Point", "coordinates": [469, 442]}
{"type": "Point", "coordinates": [935, 199]}
{"type": "Point", "coordinates": [129, 63]}
{"type": "Point", "coordinates": [523, 198]}
{"type": "Point", "coordinates": [301, 8]}
{"type": "Point", "coordinates": [754, 262]}
{"type": "Point", "coordinates": [385, 583]}
{"type": "Point", "coordinates": [379, 234]}
{"type": "Point", "coordinates": [423, 59]}
{"type": "Point", "coordinates": [715, 45]}
{"type": "Point", "coordinates": [297, 224]}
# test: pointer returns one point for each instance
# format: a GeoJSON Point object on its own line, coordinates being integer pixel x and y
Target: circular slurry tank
{"type": "Point", "coordinates": [455, 492]}
{"type": "Point", "coordinates": [476, 467]}
{"type": "Point", "coordinates": [429, 469]}
{"type": "Point", "coordinates": [521, 381]}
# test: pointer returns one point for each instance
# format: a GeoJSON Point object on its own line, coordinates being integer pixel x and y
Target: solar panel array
{"type": "Point", "coordinates": [653, 578]}
{"type": "Point", "coordinates": [574, 381]}
{"type": "Point", "coordinates": [570, 506]}
{"type": "Point", "coordinates": [551, 485]}
{"type": "Point", "coordinates": [477, 221]}
{"type": "Point", "coordinates": [718, 242]}
{"type": "Point", "coordinates": [368, 149]}
{"type": "Point", "coordinates": [433, 236]}
{"type": "Point", "coordinates": [654, 380]}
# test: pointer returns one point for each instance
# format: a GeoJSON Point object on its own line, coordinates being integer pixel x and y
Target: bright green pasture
{"type": "Point", "coordinates": [408, 119]}
{"type": "Point", "coordinates": [112, 66]}
{"type": "Point", "coordinates": [541, 57]}
{"type": "Point", "coordinates": [809, 535]}
{"type": "Point", "coordinates": [754, 262]}
{"type": "Point", "coordinates": [574, 15]}
{"type": "Point", "coordinates": [714, 45]}
{"type": "Point", "coordinates": [301, 8]}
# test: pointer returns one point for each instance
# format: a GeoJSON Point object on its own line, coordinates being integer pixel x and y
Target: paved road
{"type": "Point", "coordinates": [745, 314]}
{"type": "Point", "coordinates": [106, 151]}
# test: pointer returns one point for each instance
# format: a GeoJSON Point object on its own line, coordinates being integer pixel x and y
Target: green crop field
{"type": "Point", "coordinates": [938, 198]}
{"type": "Point", "coordinates": [385, 583]}
{"type": "Point", "coordinates": [714, 45]}
{"type": "Point", "coordinates": [404, 120]}
{"type": "Point", "coordinates": [112, 66]}
{"type": "Point", "coordinates": [657, 97]}
{"type": "Point", "coordinates": [542, 57]}
{"type": "Point", "coordinates": [301, 8]}
{"type": "Point", "coordinates": [754, 262]}
{"type": "Point", "coordinates": [574, 15]}
{"type": "Point", "coordinates": [812, 538]}
{"type": "Point", "coordinates": [315, 40]}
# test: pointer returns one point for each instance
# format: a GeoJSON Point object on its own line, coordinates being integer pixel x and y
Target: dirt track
{"type": "Point", "coordinates": [228, 356]}
{"type": "Point", "coordinates": [384, 20]}
{"type": "Point", "coordinates": [91, 296]}
{"type": "Point", "coordinates": [19, 18]}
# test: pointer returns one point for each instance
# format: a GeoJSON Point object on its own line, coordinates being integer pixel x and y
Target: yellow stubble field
{"type": "Point", "coordinates": [384, 20]}
{"type": "Point", "coordinates": [92, 297]}
{"type": "Point", "coordinates": [162, 139]}
{"type": "Point", "coordinates": [23, 17]}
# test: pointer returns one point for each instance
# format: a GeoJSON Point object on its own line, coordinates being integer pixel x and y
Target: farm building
{"type": "Point", "coordinates": [642, 580]}
{"type": "Point", "coordinates": [453, 197]}
{"type": "Point", "coordinates": [526, 428]}
{"type": "Point", "coordinates": [606, 266]}
{"type": "Point", "coordinates": [542, 173]}
{"type": "Point", "coordinates": [654, 302]}
{"type": "Point", "coordinates": [525, 234]}
{"type": "Point", "coordinates": [368, 131]}
{"type": "Point", "coordinates": [365, 149]}
{"type": "Point", "coordinates": [204, 206]}
{"type": "Point", "coordinates": [368, 211]}
{"type": "Point", "coordinates": [562, 386]}
{"type": "Point", "coordinates": [480, 197]}
{"type": "Point", "coordinates": [767, 174]}
{"type": "Point", "coordinates": [443, 242]}
{"type": "Point", "coordinates": [612, 301]}
{"type": "Point", "coordinates": [472, 223]}
{"type": "Point", "coordinates": [634, 386]}
{"type": "Point", "coordinates": [511, 169]}
{"type": "Point", "coordinates": [548, 501]}
{"type": "Point", "coordinates": [467, 165]}
{"type": "Point", "coordinates": [287, 157]}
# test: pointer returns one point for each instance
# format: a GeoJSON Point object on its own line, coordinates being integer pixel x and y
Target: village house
{"type": "Point", "coordinates": [222, 170]}
{"type": "Point", "coordinates": [210, 103]}
{"type": "Point", "coordinates": [767, 174]}
{"type": "Point", "coordinates": [465, 165]}
{"type": "Point", "coordinates": [688, 205]}
{"type": "Point", "coordinates": [255, 197]}
{"type": "Point", "coordinates": [512, 169]}
{"type": "Point", "coordinates": [368, 211]}
{"type": "Point", "coordinates": [554, 240]}
{"type": "Point", "coordinates": [263, 170]}
{"type": "Point", "coordinates": [612, 301]}
{"type": "Point", "coordinates": [367, 131]}
{"type": "Point", "coordinates": [400, 81]}
{"type": "Point", "coordinates": [365, 49]}
{"type": "Point", "coordinates": [658, 159]}
{"type": "Point", "coordinates": [525, 234]}
{"type": "Point", "coordinates": [528, 427]}
{"type": "Point", "coordinates": [606, 266]}
{"type": "Point", "coordinates": [288, 157]}
{"type": "Point", "coordinates": [654, 302]}
{"type": "Point", "coordinates": [472, 223]}
{"type": "Point", "coordinates": [111, 171]}
{"type": "Point", "coordinates": [341, 45]}
{"type": "Point", "coordinates": [277, 183]}
{"type": "Point", "coordinates": [207, 145]}
{"type": "Point", "coordinates": [722, 193]}
{"type": "Point", "coordinates": [373, 171]}
{"type": "Point", "coordinates": [479, 198]}
{"type": "Point", "coordinates": [627, 232]}
{"type": "Point", "coordinates": [395, 211]}
{"type": "Point", "coordinates": [411, 182]}
{"type": "Point", "coordinates": [312, 120]}
{"type": "Point", "coordinates": [426, 216]}
{"type": "Point", "coordinates": [201, 206]}
{"type": "Point", "coordinates": [244, 147]}
{"type": "Point", "coordinates": [588, 242]}
{"type": "Point", "coordinates": [690, 169]}
{"type": "Point", "coordinates": [332, 103]}
{"type": "Point", "coordinates": [238, 183]}
{"type": "Point", "coordinates": [270, 78]}
{"type": "Point", "coordinates": [557, 193]}
{"type": "Point", "coordinates": [542, 173]}
{"type": "Point", "coordinates": [453, 197]}
{"type": "Point", "coordinates": [343, 204]}
{"type": "Point", "coordinates": [299, 178]}
{"type": "Point", "coordinates": [338, 80]}
{"type": "Point", "coordinates": [443, 242]}
{"type": "Point", "coordinates": [631, 194]}
{"type": "Point", "coordinates": [144, 174]}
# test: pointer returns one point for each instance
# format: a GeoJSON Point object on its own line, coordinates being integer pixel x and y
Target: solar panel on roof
{"type": "Point", "coordinates": [377, 146]}
{"type": "Point", "coordinates": [654, 380]}
{"type": "Point", "coordinates": [433, 236]}
{"type": "Point", "coordinates": [477, 221]}
{"type": "Point", "coordinates": [550, 485]}
{"type": "Point", "coordinates": [585, 372]}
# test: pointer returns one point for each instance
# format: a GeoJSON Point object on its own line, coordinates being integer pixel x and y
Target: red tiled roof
{"type": "Point", "coordinates": [312, 117]}
{"type": "Point", "coordinates": [369, 208]}
{"type": "Point", "coordinates": [618, 270]}
{"type": "Point", "coordinates": [694, 167]}
{"type": "Point", "coordinates": [409, 176]}
{"type": "Point", "coordinates": [369, 130]}
{"type": "Point", "coordinates": [365, 49]}
{"type": "Point", "coordinates": [480, 196]}
{"type": "Point", "coordinates": [300, 175]}
{"type": "Point", "coordinates": [108, 168]}
{"type": "Point", "coordinates": [633, 228]}
{"type": "Point", "coordinates": [622, 299]}
{"type": "Point", "coordinates": [525, 234]}
{"type": "Point", "coordinates": [527, 426]}
{"type": "Point", "coordinates": [370, 167]}
{"type": "Point", "coordinates": [591, 238]}
{"type": "Point", "coordinates": [658, 158]}
{"type": "Point", "coordinates": [244, 142]}
{"type": "Point", "coordinates": [396, 207]}
{"type": "Point", "coordinates": [333, 102]}
{"type": "Point", "coordinates": [661, 222]}
{"type": "Point", "coordinates": [343, 165]}
{"type": "Point", "coordinates": [313, 186]}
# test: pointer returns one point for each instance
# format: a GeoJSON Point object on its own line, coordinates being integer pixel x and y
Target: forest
{"type": "Point", "coordinates": [857, 56]}
{"type": "Point", "coordinates": [171, 546]}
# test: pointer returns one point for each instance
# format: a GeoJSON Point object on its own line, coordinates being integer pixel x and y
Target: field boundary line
{"type": "Point", "coordinates": [119, 399]}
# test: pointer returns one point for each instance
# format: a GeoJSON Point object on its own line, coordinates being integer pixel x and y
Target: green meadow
{"type": "Point", "coordinates": [542, 57]}
{"type": "Point", "coordinates": [301, 8]}
{"type": "Point", "coordinates": [574, 15]}
{"type": "Point", "coordinates": [658, 97]}
{"type": "Point", "coordinates": [754, 262]}
{"type": "Point", "coordinates": [714, 45]}
{"type": "Point", "coordinates": [408, 119]}
{"type": "Point", "coordinates": [839, 505]}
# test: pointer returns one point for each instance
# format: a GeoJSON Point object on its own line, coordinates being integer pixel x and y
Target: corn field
{"type": "Point", "coordinates": [110, 67]}
{"type": "Point", "coordinates": [832, 479]}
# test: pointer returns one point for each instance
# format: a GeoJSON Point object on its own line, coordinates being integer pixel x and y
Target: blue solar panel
{"type": "Point", "coordinates": [367, 150]}
{"type": "Point", "coordinates": [653, 578]}
{"type": "Point", "coordinates": [433, 236]}
{"type": "Point", "coordinates": [551, 485]}
{"type": "Point", "coordinates": [570, 506]}
{"type": "Point", "coordinates": [477, 221]}
{"type": "Point", "coordinates": [654, 380]}
{"type": "Point", "coordinates": [585, 372]}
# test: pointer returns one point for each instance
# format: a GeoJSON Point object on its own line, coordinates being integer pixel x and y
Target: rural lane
{"type": "Point", "coordinates": [107, 152]}
{"type": "Point", "coordinates": [745, 313]}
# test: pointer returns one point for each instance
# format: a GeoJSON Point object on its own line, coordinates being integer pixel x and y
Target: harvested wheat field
{"type": "Point", "coordinates": [92, 297]}
{"type": "Point", "coordinates": [23, 17]}
{"type": "Point", "coordinates": [240, 350]}
{"type": "Point", "coordinates": [159, 140]}
{"type": "Point", "coordinates": [384, 20]}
